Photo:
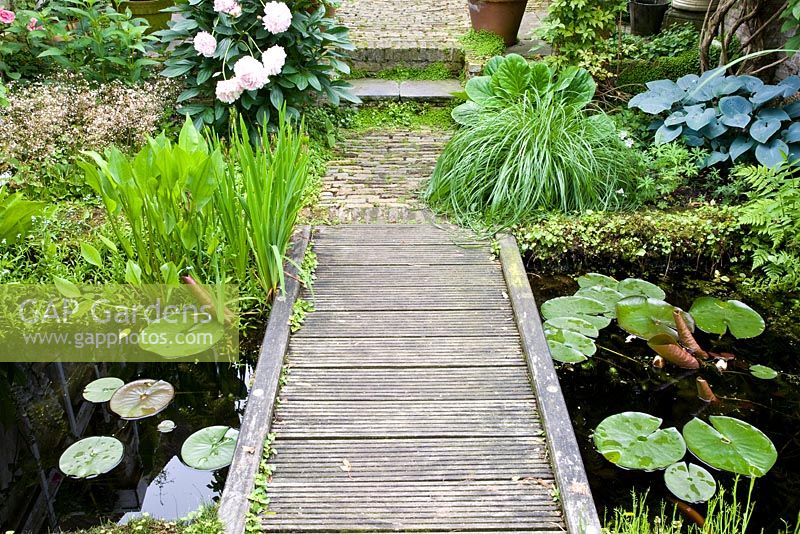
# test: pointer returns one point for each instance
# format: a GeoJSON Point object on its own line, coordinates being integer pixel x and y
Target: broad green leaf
{"type": "Point", "coordinates": [512, 78]}
{"type": "Point", "coordinates": [478, 89]}
{"type": "Point", "coordinates": [634, 440]}
{"type": "Point", "coordinates": [731, 445]}
{"type": "Point", "coordinates": [646, 317]}
{"type": "Point", "coordinates": [609, 297]}
{"type": "Point", "coordinates": [715, 316]}
{"type": "Point", "coordinates": [763, 372]}
{"type": "Point", "coordinates": [91, 255]}
{"type": "Point", "coordinates": [141, 398]}
{"type": "Point", "coordinates": [66, 288]}
{"type": "Point", "coordinates": [91, 457]}
{"type": "Point", "coordinates": [573, 324]}
{"type": "Point", "coordinates": [571, 307]}
{"type": "Point", "coordinates": [563, 353]}
{"type": "Point", "coordinates": [690, 483]}
{"type": "Point", "coordinates": [632, 287]}
{"type": "Point", "coordinates": [211, 448]}
{"type": "Point", "coordinates": [102, 389]}
{"type": "Point", "coordinates": [596, 279]}
{"type": "Point", "coordinates": [574, 340]}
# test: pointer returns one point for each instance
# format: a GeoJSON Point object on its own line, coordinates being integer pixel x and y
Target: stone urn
{"type": "Point", "coordinates": [693, 5]}
{"type": "Point", "coordinates": [502, 17]}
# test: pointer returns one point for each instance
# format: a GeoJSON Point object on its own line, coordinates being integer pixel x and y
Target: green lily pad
{"type": "Point", "coordinates": [141, 398]}
{"type": "Point", "coordinates": [763, 372]}
{"type": "Point", "coordinates": [635, 287]}
{"type": "Point", "coordinates": [572, 307]}
{"type": "Point", "coordinates": [646, 317]}
{"type": "Point", "coordinates": [91, 457]}
{"type": "Point", "coordinates": [690, 483]}
{"type": "Point", "coordinates": [596, 279]}
{"type": "Point", "coordinates": [607, 296]}
{"type": "Point", "coordinates": [564, 354]}
{"type": "Point", "coordinates": [210, 448]}
{"type": "Point", "coordinates": [102, 389]}
{"type": "Point", "coordinates": [569, 347]}
{"type": "Point", "coordinates": [172, 337]}
{"type": "Point", "coordinates": [634, 440]}
{"type": "Point", "coordinates": [731, 445]}
{"type": "Point", "coordinates": [166, 426]}
{"type": "Point", "coordinates": [716, 317]}
{"type": "Point", "coordinates": [573, 324]}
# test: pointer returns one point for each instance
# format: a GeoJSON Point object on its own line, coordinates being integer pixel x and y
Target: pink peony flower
{"type": "Point", "coordinates": [273, 59]}
{"type": "Point", "coordinates": [228, 91]}
{"type": "Point", "coordinates": [205, 44]}
{"type": "Point", "coordinates": [251, 73]}
{"type": "Point", "coordinates": [7, 16]}
{"type": "Point", "coordinates": [231, 7]}
{"type": "Point", "coordinates": [33, 25]}
{"type": "Point", "coordinates": [277, 17]}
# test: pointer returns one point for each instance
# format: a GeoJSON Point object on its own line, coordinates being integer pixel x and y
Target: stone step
{"type": "Point", "coordinates": [371, 89]}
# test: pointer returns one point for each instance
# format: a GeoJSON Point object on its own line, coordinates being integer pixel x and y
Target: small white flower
{"type": "Point", "coordinates": [231, 7]}
{"type": "Point", "coordinates": [623, 134]}
{"type": "Point", "coordinates": [628, 142]}
{"type": "Point", "coordinates": [228, 91]}
{"type": "Point", "coordinates": [277, 17]}
{"type": "Point", "coordinates": [273, 60]}
{"type": "Point", "coordinates": [205, 44]}
{"type": "Point", "coordinates": [722, 365]}
{"type": "Point", "coordinates": [251, 73]}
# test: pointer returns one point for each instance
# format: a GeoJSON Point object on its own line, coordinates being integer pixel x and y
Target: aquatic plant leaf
{"type": "Point", "coordinates": [166, 426]}
{"type": "Point", "coordinates": [632, 287]}
{"type": "Point", "coordinates": [667, 347]}
{"type": "Point", "coordinates": [715, 316]}
{"type": "Point", "coordinates": [690, 483]}
{"type": "Point", "coordinates": [579, 342]}
{"type": "Point", "coordinates": [102, 389]}
{"type": "Point", "coordinates": [731, 445]}
{"type": "Point", "coordinates": [172, 337]}
{"type": "Point", "coordinates": [91, 457]}
{"type": "Point", "coordinates": [609, 297]}
{"type": "Point", "coordinates": [597, 279]}
{"type": "Point", "coordinates": [685, 336]}
{"type": "Point", "coordinates": [564, 354]}
{"type": "Point", "coordinates": [573, 324]}
{"type": "Point", "coordinates": [763, 372]}
{"type": "Point", "coordinates": [572, 307]}
{"type": "Point", "coordinates": [634, 440]}
{"type": "Point", "coordinates": [647, 317]}
{"type": "Point", "coordinates": [210, 448]}
{"type": "Point", "coordinates": [141, 398]}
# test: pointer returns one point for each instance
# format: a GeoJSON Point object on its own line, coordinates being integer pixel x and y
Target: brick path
{"type": "Point", "coordinates": [379, 174]}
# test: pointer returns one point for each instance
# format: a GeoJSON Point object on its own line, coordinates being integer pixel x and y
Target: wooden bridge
{"type": "Point", "coordinates": [420, 395]}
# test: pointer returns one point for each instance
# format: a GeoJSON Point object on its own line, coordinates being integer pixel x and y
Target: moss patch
{"type": "Point", "coordinates": [434, 71]}
{"type": "Point", "coordinates": [481, 45]}
{"type": "Point", "coordinates": [402, 115]}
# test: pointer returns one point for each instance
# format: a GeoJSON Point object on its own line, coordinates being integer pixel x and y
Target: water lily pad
{"type": "Point", "coordinates": [731, 445]}
{"type": "Point", "coordinates": [634, 287]}
{"type": "Point", "coordinates": [579, 343]}
{"type": "Point", "coordinates": [91, 457]}
{"type": "Point", "coordinates": [573, 324]}
{"type": "Point", "coordinates": [690, 483]}
{"type": "Point", "coordinates": [102, 389]}
{"type": "Point", "coordinates": [647, 317]}
{"type": "Point", "coordinates": [763, 372]}
{"type": "Point", "coordinates": [142, 398]}
{"type": "Point", "coordinates": [716, 317]}
{"type": "Point", "coordinates": [596, 279]}
{"type": "Point", "coordinates": [607, 296]}
{"type": "Point", "coordinates": [564, 354]}
{"type": "Point", "coordinates": [210, 448]}
{"type": "Point", "coordinates": [634, 440]}
{"type": "Point", "coordinates": [589, 310]}
{"type": "Point", "coordinates": [166, 426]}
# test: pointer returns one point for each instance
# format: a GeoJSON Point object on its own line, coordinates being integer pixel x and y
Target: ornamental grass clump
{"type": "Point", "coordinates": [529, 142]}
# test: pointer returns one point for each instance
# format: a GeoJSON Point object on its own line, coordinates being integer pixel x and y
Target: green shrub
{"type": "Point", "coordinates": [529, 142]}
{"type": "Point", "coordinates": [632, 74]}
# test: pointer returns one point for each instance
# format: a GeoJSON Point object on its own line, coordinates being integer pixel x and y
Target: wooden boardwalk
{"type": "Point", "coordinates": [408, 404]}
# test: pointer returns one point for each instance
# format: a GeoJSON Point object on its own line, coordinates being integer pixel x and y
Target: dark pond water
{"type": "Point", "coordinates": [620, 378]}
{"type": "Point", "coordinates": [151, 477]}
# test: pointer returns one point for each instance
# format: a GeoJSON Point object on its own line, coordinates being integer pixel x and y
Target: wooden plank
{"type": "Point", "coordinates": [477, 323]}
{"type": "Point", "coordinates": [234, 504]}
{"type": "Point", "coordinates": [402, 255]}
{"type": "Point", "coordinates": [405, 352]}
{"type": "Point", "coordinates": [354, 298]}
{"type": "Point", "coordinates": [334, 277]}
{"type": "Point", "coordinates": [576, 496]}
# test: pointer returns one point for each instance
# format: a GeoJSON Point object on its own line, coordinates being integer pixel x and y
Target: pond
{"type": "Point", "coordinates": [151, 478]}
{"type": "Point", "coordinates": [620, 377]}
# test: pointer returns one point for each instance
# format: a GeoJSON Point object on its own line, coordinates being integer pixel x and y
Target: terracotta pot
{"type": "Point", "coordinates": [693, 5]}
{"type": "Point", "coordinates": [150, 10]}
{"type": "Point", "coordinates": [502, 17]}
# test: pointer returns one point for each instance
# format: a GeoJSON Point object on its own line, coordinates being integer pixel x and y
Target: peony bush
{"type": "Point", "coordinates": [252, 58]}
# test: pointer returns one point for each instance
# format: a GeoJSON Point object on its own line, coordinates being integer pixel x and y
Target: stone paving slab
{"type": "Point", "coordinates": [371, 90]}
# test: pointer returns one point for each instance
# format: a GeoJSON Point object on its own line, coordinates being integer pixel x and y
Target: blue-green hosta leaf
{"type": "Point", "coordinates": [739, 146]}
{"type": "Point", "coordinates": [91, 457]}
{"type": "Point", "coordinates": [692, 138]}
{"type": "Point", "coordinates": [773, 153]}
{"type": "Point", "coordinates": [678, 117]}
{"type": "Point", "coordinates": [763, 372]}
{"type": "Point", "coordinates": [715, 157]}
{"type": "Point", "coordinates": [731, 445]}
{"type": "Point", "coordinates": [651, 102]}
{"type": "Point", "coordinates": [573, 324]}
{"type": "Point", "coordinates": [597, 279]}
{"type": "Point", "coordinates": [608, 296]}
{"type": "Point", "coordinates": [773, 114]}
{"type": "Point", "coordinates": [647, 317]}
{"type": "Point", "coordinates": [713, 129]}
{"type": "Point", "coordinates": [727, 86]}
{"type": "Point", "coordinates": [632, 287]}
{"type": "Point", "coordinates": [716, 316]}
{"type": "Point", "coordinates": [751, 83]}
{"type": "Point", "coordinates": [634, 440]}
{"type": "Point", "coordinates": [687, 82]}
{"type": "Point", "coordinates": [792, 133]}
{"type": "Point", "coordinates": [696, 119]}
{"type": "Point", "coordinates": [761, 130]}
{"type": "Point", "coordinates": [735, 105]}
{"type": "Point", "coordinates": [667, 134]}
{"type": "Point", "coordinates": [690, 483]}
{"type": "Point", "coordinates": [766, 93]}
{"type": "Point", "coordinates": [791, 85]}
{"type": "Point", "coordinates": [479, 89]}
{"type": "Point", "coordinates": [667, 88]}
{"type": "Point", "coordinates": [793, 109]}
{"type": "Point", "coordinates": [740, 120]}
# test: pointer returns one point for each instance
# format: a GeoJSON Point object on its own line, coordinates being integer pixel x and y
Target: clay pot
{"type": "Point", "coordinates": [502, 17]}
